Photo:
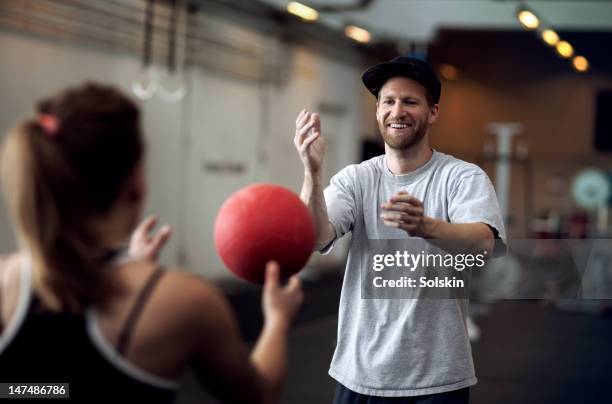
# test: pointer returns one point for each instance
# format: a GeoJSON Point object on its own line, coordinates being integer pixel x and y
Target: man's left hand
{"type": "Point", "coordinates": [405, 212]}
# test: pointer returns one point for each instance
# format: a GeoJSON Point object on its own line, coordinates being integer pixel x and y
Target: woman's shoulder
{"type": "Point", "coordinates": [10, 285]}
{"type": "Point", "coordinates": [202, 317]}
{"type": "Point", "coordinates": [9, 271]}
{"type": "Point", "coordinates": [10, 262]}
{"type": "Point", "coordinates": [181, 315]}
{"type": "Point", "coordinates": [191, 293]}
{"type": "Point", "coordinates": [176, 287]}
{"type": "Point", "coordinates": [182, 300]}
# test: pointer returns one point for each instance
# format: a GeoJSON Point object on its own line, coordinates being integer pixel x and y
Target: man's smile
{"type": "Point", "coordinates": [399, 125]}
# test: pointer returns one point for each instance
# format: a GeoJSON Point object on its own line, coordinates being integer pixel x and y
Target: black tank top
{"type": "Point", "coordinates": [40, 346]}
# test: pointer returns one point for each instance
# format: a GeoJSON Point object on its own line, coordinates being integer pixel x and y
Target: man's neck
{"type": "Point", "coordinates": [406, 161]}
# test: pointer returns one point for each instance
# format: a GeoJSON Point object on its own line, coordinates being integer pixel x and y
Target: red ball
{"type": "Point", "coordinates": [260, 223]}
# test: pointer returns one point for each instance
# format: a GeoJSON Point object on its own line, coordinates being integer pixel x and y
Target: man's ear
{"type": "Point", "coordinates": [433, 113]}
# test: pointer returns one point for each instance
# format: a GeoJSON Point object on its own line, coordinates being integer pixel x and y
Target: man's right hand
{"type": "Point", "coordinates": [309, 142]}
{"type": "Point", "coordinates": [311, 146]}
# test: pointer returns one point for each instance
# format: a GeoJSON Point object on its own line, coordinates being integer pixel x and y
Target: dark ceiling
{"type": "Point", "coordinates": [487, 55]}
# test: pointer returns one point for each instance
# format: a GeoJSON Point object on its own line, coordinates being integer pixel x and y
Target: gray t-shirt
{"type": "Point", "coordinates": [404, 347]}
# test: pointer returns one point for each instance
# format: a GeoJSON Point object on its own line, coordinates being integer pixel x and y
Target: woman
{"type": "Point", "coordinates": [73, 312]}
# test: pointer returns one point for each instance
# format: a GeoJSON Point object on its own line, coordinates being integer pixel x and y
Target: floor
{"type": "Point", "coordinates": [527, 352]}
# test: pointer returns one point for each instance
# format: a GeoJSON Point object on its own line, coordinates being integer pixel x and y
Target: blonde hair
{"type": "Point", "coordinates": [58, 178]}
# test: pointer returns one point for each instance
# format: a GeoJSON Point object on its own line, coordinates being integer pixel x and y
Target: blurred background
{"type": "Point", "coordinates": [527, 95]}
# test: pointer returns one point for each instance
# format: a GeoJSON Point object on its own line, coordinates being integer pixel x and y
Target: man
{"type": "Point", "coordinates": [417, 349]}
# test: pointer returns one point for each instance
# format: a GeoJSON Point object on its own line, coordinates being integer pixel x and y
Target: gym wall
{"type": "Point", "coordinates": [520, 80]}
{"type": "Point", "coordinates": [234, 127]}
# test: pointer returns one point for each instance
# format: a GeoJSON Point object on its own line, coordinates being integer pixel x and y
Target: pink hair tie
{"type": "Point", "coordinates": [49, 124]}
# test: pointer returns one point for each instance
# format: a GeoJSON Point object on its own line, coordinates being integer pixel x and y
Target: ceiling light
{"type": "Point", "coordinates": [528, 19]}
{"type": "Point", "coordinates": [302, 11]}
{"type": "Point", "coordinates": [449, 72]}
{"type": "Point", "coordinates": [565, 49]}
{"type": "Point", "coordinates": [550, 37]}
{"type": "Point", "coordinates": [580, 63]}
{"type": "Point", "coordinates": [358, 34]}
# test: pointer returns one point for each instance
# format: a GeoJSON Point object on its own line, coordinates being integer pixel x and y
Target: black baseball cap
{"type": "Point", "coordinates": [403, 66]}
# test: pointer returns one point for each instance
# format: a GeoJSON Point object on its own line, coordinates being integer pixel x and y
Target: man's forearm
{"type": "Point", "coordinates": [312, 196]}
{"type": "Point", "coordinates": [459, 237]}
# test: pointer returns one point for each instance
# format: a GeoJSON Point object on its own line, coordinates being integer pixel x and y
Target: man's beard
{"type": "Point", "coordinates": [405, 141]}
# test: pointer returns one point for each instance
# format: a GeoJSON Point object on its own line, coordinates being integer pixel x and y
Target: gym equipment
{"type": "Point", "coordinates": [591, 188]}
{"type": "Point", "coordinates": [260, 223]}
